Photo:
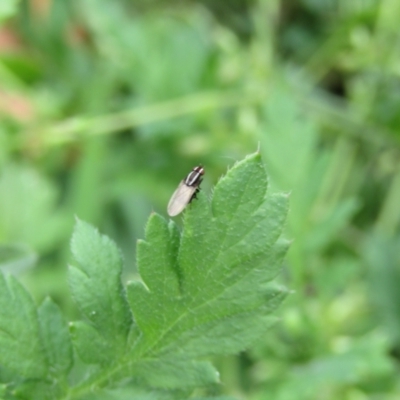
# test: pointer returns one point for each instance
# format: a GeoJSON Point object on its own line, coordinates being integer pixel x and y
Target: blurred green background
{"type": "Point", "coordinates": [106, 105]}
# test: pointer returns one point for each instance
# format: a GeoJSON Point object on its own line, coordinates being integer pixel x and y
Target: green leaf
{"type": "Point", "coordinates": [204, 291]}
{"type": "Point", "coordinates": [97, 289]}
{"type": "Point", "coordinates": [211, 295]}
{"type": "Point", "coordinates": [55, 337]}
{"type": "Point", "coordinates": [92, 347]}
{"type": "Point", "coordinates": [21, 350]}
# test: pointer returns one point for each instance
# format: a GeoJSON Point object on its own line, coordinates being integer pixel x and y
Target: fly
{"type": "Point", "coordinates": [186, 191]}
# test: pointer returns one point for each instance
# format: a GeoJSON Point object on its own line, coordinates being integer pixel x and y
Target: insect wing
{"type": "Point", "coordinates": [180, 199]}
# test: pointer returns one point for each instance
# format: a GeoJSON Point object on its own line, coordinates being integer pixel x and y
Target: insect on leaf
{"type": "Point", "coordinates": [208, 293]}
{"type": "Point", "coordinates": [203, 291]}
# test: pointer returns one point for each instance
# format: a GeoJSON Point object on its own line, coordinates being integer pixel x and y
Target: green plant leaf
{"type": "Point", "coordinates": [204, 291]}
{"type": "Point", "coordinates": [55, 338]}
{"type": "Point", "coordinates": [21, 350]}
{"type": "Point", "coordinates": [91, 346]}
{"type": "Point", "coordinates": [98, 291]}
{"type": "Point", "coordinates": [210, 295]}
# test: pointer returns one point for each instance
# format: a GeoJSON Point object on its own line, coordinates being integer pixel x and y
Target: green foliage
{"type": "Point", "coordinates": [20, 345]}
{"type": "Point", "coordinates": [97, 290]}
{"type": "Point", "coordinates": [55, 336]}
{"type": "Point", "coordinates": [221, 255]}
{"type": "Point", "coordinates": [204, 292]}
{"type": "Point", "coordinates": [106, 106]}
{"type": "Point", "coordinates": [364, 362]}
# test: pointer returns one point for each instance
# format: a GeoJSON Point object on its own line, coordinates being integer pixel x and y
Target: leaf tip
{"type": "Point", "coordinates": [81, 223]}
{"type": "Point", "coordinates": [47, 301]}
{"type": "Point", "coordinates": [78, 224]}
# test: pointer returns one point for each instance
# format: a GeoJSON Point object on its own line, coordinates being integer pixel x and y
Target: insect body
{"type": "Point", "coordinates": [185, 192]}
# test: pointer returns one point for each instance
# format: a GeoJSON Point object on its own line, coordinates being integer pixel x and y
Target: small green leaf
{"type": "Point", "coordinates": [162, 280]}
{"type": "Point", "coordinates": [55, 338]}
{"type": "Point", "coordinates": [97, 288]}
{"type": "Point", "coordinates": [21, 350]}
{"type": "Point", "coordinates": [92, 347]}
{"type": "Point", "coordinates": [211, 295]}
